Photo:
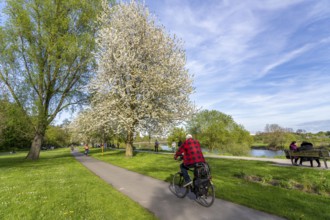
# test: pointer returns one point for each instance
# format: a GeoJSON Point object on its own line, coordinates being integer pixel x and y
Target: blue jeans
{"type": "Point", "coordinates": [184, 170]}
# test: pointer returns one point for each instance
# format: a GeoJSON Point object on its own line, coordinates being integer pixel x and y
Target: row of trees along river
{"type": "Point", "coordinates": [210, 127]}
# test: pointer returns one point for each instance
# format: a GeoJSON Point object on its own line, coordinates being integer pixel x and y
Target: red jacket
{"type": "Point", "coordinates": [192, 152]}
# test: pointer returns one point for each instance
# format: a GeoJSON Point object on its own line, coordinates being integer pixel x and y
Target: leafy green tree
{"type": "Point", "coordinates": [275, 136]}
{"type": "Point", "coordinates": [289, 137]}
{"type": "Point", "coordinates": [56, 136]}
{"type": "Point", "coordinates": [216, 130]}
{"type": "Point", "coordinates": [176, 134]}
{"type": "Point", "coordinates": [15, 128]}
{"type": "Point", "coordinates": [46, 50]}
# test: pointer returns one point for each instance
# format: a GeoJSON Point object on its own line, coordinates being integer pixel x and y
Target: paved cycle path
{"type": "Point", "coordinates": [156, 196]}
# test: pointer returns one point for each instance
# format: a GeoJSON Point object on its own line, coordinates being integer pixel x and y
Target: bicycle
{"type": "Point", "coordinates": [202, 185]}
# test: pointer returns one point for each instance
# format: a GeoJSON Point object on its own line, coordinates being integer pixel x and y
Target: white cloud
{"type": "Point", "coordinates": [285, 58]}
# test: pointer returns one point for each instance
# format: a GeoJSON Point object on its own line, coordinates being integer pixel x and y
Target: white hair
{"type": "Point", "coordinates": [188, 136]}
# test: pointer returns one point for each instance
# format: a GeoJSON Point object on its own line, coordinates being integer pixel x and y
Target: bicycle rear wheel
{"type": "Point", "coordinates": [177, 185]}
{"type": "Point", "coordinates": [207, 194]}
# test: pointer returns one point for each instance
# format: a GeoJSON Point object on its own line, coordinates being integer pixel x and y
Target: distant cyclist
{"type": "Point", "coordinates": [192, 154]}
{"type": "Point", "coordinates": [86, 149]}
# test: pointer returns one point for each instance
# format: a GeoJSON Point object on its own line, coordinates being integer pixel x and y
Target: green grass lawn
{"type": "Point", "coordinates": [58, 187]}
{"type": "Point", "coordinates": [290, 192]}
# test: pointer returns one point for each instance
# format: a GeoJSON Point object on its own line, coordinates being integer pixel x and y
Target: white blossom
{"type": "Point", "coordinates": [141, 78]}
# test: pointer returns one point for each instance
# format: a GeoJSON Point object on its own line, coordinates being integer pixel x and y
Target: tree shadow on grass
{"type": "Point", "coordinates": [114, 152]}
{"type": "Point", "coordinates": [12, 161]}
{"type": "Point", "coordinates": [45, 159]}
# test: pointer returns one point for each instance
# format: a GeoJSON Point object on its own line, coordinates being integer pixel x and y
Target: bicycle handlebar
{"type": "Point", "coordinates": [179, 158]}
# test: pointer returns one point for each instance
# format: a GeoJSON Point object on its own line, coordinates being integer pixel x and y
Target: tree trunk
{"type": "Point", "coordinates": [129, 144]}
{"type": "Point", "coordinates": [36, 146]}
{"type": "Point", "coordinates": [37, 141]}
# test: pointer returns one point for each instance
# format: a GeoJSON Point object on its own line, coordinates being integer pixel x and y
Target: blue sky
{"type": "Point", "coordinates": [260, 61]}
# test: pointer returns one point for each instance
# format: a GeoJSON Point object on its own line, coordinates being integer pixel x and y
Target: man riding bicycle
{"type": "Point", "coordinates": [192, 152]}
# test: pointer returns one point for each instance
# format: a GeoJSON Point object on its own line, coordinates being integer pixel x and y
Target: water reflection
{"type": "Point", "coordinates": [266, 153]}
{"type": "Point", "coordinates": [165, 147]}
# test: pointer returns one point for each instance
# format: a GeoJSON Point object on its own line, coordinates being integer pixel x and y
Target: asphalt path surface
{"type": "Point", "coordinates": [276, 162]}
{"type": "Point", "coordinates": [156, 196]}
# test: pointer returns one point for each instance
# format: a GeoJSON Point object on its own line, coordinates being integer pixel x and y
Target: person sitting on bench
{"type": "Point", "coordinates": [294, 147]}
{"type": "Point", "coordinates": [308, 146]}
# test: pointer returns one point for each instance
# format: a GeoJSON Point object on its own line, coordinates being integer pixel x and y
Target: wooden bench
{"type": "Point", "coordinates": [309, 154]}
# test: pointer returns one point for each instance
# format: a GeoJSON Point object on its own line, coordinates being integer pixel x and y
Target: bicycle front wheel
{"type": "Point", "coordinates": [177, 185]}
{"type": "Point", "coordinates": [207, 194]}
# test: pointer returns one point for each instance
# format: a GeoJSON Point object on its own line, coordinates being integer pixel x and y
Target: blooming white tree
{"type": "Point", "coordinates": [141, 77]}
{"type": "Point", "coordinates": [83, 126]}
{"type": "Point", "coordinates": [89, 127]}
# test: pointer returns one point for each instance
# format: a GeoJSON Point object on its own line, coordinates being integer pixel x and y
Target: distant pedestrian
{"type": "Point", "coordinates": [173, 146]}
{"type": "Point", "coordinates": [86, 149]}
{"type": "Point", "coordinates": [156, 145]}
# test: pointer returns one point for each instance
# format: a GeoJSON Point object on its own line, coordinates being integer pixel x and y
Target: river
{"type": "Point", "coordinates": [253, 152]}
{"type": "Point", "coordinates": [266, 153]}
